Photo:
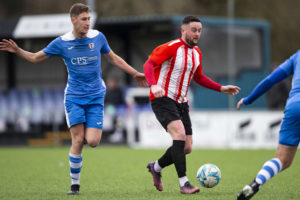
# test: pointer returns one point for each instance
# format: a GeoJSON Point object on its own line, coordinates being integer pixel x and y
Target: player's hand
{"type": "Point", "coordinates": [140, 78]}
{"type": "Point", "coordinates": [157, 91]}
{"type": "Point", "coordinates": [230, 89]}
{"type": "Point", "coordinates": [240, 103]}
{"type": "Point", "coordinates": [8, 45]}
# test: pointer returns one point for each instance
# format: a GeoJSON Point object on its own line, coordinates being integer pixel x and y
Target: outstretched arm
{"type": "Point", "coordinates": [119, 62]}
{"type": "Point", "coordinates": [12, 47]}
{"type": "Point", "coordinates": [275, 77]}
{"type": "Point", "coordinates": [204, 81]}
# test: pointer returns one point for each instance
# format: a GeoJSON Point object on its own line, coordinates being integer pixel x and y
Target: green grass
{"type": "Point", "coordinates": [120, 173]}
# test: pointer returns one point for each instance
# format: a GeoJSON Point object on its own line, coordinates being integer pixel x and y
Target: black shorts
{"type": "Point", "coordinates": [167, 110]}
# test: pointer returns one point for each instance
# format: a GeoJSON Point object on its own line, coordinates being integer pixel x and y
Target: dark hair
{"type": "Point", "coordinates": [189, 19]}
{"type": "Point", "coordinates": [78, 8]}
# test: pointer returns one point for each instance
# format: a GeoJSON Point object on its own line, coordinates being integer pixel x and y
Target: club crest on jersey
{"type": "Point", "coordinates": [189, 65]}
{"type": "Point", "coordinates": [91, 45]}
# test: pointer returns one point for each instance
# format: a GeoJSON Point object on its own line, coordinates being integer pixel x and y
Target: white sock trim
{"type": "Point", "coordinates": [75, 182]}
{"type": "Point", "coordinates": [183, 180]}
{"type": "Point", "coordinates": [75, 155]}
{"type": "Point", "coordinates": [279, 162]}
{"type": "Point", "coordinates": [157, 167]}
{"type": "Point", "coordinates": [259, 181]}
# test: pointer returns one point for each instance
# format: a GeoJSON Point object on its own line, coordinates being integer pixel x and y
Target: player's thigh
{"type": "Point", "coordinates": [286, 154]}
{"type": "Point", "coordinates": [290, 128]}
{"type": "Point", "coordinates": [165, 110]}
{"type": "Point", "coordinates": [75, 113]}
{"type": "Point", "coordinates": [186, 120]}
{"type": "Point", "coordinates": [94, 124]}
{"type": "Point", "coordinates": [94, 116]}
{"type": "Point", "coordinates": [93, 136]}
{"type": "Point", "coordinates": [176, 130]}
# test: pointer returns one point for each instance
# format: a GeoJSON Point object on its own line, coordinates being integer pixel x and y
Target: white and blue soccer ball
{"type": "Point", "coordinates": [209, 175]}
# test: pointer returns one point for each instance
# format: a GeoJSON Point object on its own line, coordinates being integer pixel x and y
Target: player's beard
{"type": "Point", "coordinates": [191, 42]}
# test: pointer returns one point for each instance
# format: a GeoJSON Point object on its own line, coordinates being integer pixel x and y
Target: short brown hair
{"type": "Point", "coordinates": [78, 8]}
{"type": "Point", "coordinates": [189, 19]}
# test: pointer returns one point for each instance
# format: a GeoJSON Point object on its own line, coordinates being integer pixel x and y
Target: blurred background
{"type": "Point", "coordinates": [242, 41]}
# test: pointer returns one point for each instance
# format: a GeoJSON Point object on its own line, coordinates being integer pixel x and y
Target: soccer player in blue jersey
{"type": "Point", "coordinates": [81, 51]}
{"type": "Point", "coordinates": [290, 128]}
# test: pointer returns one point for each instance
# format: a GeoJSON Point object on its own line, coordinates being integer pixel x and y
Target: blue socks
{"type": "Point", "coordinates": [269, 169]}
{"type": "Point", "coordinates": [75, 167]}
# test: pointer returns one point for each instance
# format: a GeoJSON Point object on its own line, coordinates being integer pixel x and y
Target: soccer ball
{"type": "Point", "coordinates": [209, 175]}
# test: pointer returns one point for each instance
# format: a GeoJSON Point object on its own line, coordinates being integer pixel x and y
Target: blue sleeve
{"type": "Point", "coordinates": [53, 48]}
{"type": "Point", "coordinates": [288, 65]}
{"type": "Point", "coordinates": [105, 47]}
{"type": "Point", "coordinates": [276, 76]}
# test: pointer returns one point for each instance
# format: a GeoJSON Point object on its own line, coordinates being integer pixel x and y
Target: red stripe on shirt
{"type": "Point", "coordinates": [169, 75]}
{"type": "Point", "coordinates": [190, 76]}
{"type": "Point", "coordinates": [182, 76]}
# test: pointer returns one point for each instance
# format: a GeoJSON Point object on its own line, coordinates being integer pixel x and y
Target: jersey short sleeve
{"type": "Point", "coordinates": [105, 47]}
{"type": "Point", "coordinates": [163, 52]}
{"type": "Point", "coordinates": [53, 49]}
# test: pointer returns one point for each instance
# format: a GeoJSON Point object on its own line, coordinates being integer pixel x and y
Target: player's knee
{"type": "Point", "coordinates": [179, 134]}
{"type": "Point", "coordinates": [78, 141]}
{"type": "Point", "coordinates": [93, 143]}
{"type": "Point", "coordinates": [177, 131]}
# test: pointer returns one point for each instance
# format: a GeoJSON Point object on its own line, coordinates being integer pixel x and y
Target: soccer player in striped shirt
{"type": "Point", "coordinates": [169, 71]}
{"type": "Point", "coordinates": [81, 51]}
{"type": "Point", "coordinates": [290, 128]}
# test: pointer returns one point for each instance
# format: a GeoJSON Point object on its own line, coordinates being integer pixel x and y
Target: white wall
{"type": "Point", "coordinates": [217, 129]}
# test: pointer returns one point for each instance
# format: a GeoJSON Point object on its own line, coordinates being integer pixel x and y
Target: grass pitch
{"type": "Point", "coordinates": [111, 173]}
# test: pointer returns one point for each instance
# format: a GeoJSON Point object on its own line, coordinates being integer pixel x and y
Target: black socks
{"type": "Point", "coordinates": [175, 154]}
{"type": "Point", "coordinates": [166, 159]}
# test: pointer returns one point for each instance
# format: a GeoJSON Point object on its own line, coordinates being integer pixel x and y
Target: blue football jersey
{"type": "Point", "coordinates": [292, 67]}
{"type": "Point", "coordinates": [289, 130]}
{"type": "Point", "coordinates": [289, 67]}
{"type": "Point", "coordinates": [83, 60]}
